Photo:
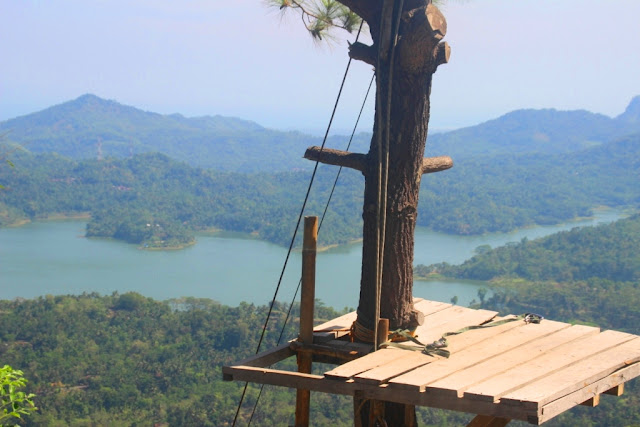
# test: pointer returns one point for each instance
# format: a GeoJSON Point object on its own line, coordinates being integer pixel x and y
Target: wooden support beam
{"type": "Point", "coordinates": [266, 358]}
{"type": "Point", "coordinates": [344, 353]}
{"type": "Point", "coordinates": [383, 331]}
{"type": "Point", "coordinates": [307, 299]}
{"type": "Point", "coordinates": [436, 164]}
{"type": "Point", "coordinates": [592, 402]}
{"type": "Point", "coordinates": [342, 158]}
{"type": "Point", "coordinates": [616, 391]}
{"type": "Point", "coordinates": [488, 421]}
{"type": "Point", "coordinates": [358, 404]}
{"type": "Point", "coordinates": [362, 52]}
{"type": "Point", "coordinates": [357, 161]}
{"type": "Point", "coordinates": [442, 53]}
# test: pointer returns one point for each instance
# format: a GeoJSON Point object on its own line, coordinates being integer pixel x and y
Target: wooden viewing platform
{"type": "Point", "coordinates": [521, 371]}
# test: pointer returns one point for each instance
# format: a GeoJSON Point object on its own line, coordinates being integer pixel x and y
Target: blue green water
{"type": "Point", "coordinates": [54, 258]}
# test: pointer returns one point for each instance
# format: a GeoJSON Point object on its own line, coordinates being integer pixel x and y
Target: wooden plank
{"type": "Point", "coordinates": [457, 383]}
{"type": "Point", "coordinates": [269, 357]}
{"type": "Point", "coordinates": [342, 325]}
{"type": "Point", "coordinates": [428, 307]}
{"type": "Point", "coordinates": [414, 359]}
{"type": "Point", "coordinates": [460, 342]}
{"type": "Point", "coordinates": [287, 379]}
{"type": "Point", "coordinates": [560, 357]}
{"type": "Point", "coordinates": [567, 402]}
{"type": "Point", "coordinates": [450, 320]}
{"type": "Point", "coordinates": [575, 377]}
{"type": "Point", "coordinates": [384, 392]}
{"type": "Point", "coordinates": [513, 338]}
{"type": "Point", "coordinates": [404, 363]}
{"type": "Point", "coordinates": [365, 363]}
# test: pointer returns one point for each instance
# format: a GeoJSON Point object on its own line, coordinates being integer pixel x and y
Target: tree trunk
{"type": "Point", "coordinates": [407, 74]}
{"type": "Point", "coordinates": [404, 74]}
{"type": "Point", "coordinates": [417, 56]}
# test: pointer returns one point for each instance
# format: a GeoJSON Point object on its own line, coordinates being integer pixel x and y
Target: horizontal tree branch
{"type": "Point", "coordinates": [363, 52]}
{"type": "Point", "coordinates": [442, 54]}
{"type": "Point", "coordinates": [436, 164]}
{"type": "Point", "coordinates": [330, 156]}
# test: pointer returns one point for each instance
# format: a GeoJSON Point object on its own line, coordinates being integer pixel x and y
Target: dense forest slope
{"type": "Point", "coordinates": [128, 360]}
{"type": "Point", "coordinates": [588, 275]}
{"type": "Point", "coordinates": [476, 196]}
{"type": "Point", "coordinates": [585, 275]}
{"type": "Point", "coordinates": [608, 252]}
{"type": "Point", "coordinates": [75, 128]}
{"type": "Point", "coordinates": [153, 200]}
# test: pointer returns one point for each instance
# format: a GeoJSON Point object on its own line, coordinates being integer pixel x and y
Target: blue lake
{"type": "Point", "coordinates": [53, 257]}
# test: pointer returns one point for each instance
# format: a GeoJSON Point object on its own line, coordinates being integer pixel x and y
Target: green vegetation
{"type": "Point", "coordinates": [588, 275]}
{"type": "Point", "coordinates": [13, 402]}
{"type": "Point", "coordinates": [607, 252]}
{"type": "Point", "coordinates": [176, 200]}
{"type": "Point", "coordinates": [74, 129]}
{"type": "Point", "coordinates": [155, 201]}
{"type": "Point", "coordinates": [525, 168]}
{"type": "Point", "coordinates": [129, 360]}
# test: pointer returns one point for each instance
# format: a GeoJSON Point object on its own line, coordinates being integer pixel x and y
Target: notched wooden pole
{"type": "Point", "coordinates": [358, 161]}
{"type": "Point", "coordinates": [342, 158]}
{"type": "Point", "coordinates": [307, 299]}
{"type": "Point", "coordinates": [436, 164]}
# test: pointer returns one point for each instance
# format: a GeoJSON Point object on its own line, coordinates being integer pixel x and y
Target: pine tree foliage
{"type": "Point", "coordinates": [320, 16]}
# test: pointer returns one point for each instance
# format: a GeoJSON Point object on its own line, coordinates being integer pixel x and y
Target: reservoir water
{"type": "Point", "coordinates": [54, 258]}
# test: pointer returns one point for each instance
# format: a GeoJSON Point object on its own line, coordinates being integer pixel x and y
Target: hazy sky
{"type": "Point", "coordinates": [237, 58]}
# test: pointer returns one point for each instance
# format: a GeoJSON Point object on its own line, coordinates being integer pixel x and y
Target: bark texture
{"type": "Point", "coordinates": [417, 55]}
{"type": "Point", "coordinates": [408, 70]}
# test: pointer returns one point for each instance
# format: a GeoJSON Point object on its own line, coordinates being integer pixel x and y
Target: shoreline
{"type": "Point", "coordinates": [52, 217]}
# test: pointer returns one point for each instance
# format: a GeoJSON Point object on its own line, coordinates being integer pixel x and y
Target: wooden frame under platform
{"type": "Point", "coordinates": [514, 371]}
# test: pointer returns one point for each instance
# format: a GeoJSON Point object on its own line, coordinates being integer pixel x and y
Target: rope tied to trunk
{"type": "Point", "coordinates": [362, 333]}
{"type": "Point", "coordinates": [438, 347]}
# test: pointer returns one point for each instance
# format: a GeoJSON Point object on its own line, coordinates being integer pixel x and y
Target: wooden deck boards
{"type": "Point", "coordinates": [530, 372]}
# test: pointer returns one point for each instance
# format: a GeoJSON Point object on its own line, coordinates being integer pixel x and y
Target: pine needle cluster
{"type": "Point", "coordinates": [320, 16]}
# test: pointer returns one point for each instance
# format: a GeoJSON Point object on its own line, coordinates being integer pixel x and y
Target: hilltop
{"type": "Point", "coordinates": [75, 128]}
{"type": "Point", "coordinates": [546, 131]}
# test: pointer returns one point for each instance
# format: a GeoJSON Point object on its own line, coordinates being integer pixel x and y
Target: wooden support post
{"type": "Point", "coordinates": [488, 421]}
{"type": "Point", "coordinates": [307, 298]}
{"type": "Point", "coordinates": [383, 331]}
{"type": "Point", "coordinates": [592, 402]}
{"type": "Point", "coordinates": [616, 391]}
{"type": "Point", "coordinates": [358, 405]}
{"type": "Point", "coordinates": [376, 412]}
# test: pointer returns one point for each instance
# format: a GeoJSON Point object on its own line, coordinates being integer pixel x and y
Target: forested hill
{"type": "Point", "coordinates": [476, 196]}
{"type": "Point", "coordinates": [605, 252]}
{"type": "Point", "coordinates": [76, 128]}
{"type": "Point", "coordinates": [154, 200]}
{"type": "Point", "coordinates": [547, 131]}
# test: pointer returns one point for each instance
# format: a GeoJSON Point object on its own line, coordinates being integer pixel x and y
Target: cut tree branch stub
{"type": "Point", "coordinates": [358, 161]}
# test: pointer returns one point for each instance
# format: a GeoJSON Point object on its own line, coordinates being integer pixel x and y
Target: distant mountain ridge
{"type": "Point", "coordinates": [546, 131]}
{"type": "Point", "coordinates": [76, 128]}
